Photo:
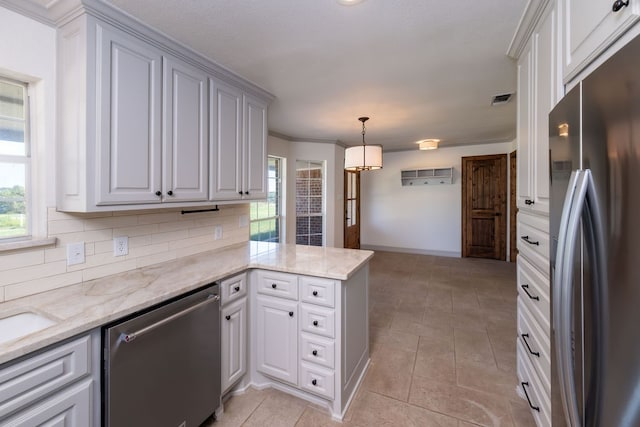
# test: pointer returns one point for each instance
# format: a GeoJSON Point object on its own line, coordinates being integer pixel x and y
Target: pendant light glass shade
{"type": "Point", "coordinates": [363, 157]}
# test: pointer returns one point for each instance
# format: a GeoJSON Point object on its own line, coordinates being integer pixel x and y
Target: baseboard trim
{"type": "Point", "coordinates": [450, 254]}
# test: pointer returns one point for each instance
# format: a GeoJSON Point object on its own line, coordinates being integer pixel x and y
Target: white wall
{"type": "Point", "coordinates": [333, 156]}
{"type": "Point", "coordinates": [420, 219]}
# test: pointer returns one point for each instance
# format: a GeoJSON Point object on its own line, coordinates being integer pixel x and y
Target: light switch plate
{"type": "Point", "coordinates": [217, 234]}
{"type": "Point", "coordinates": [243, 221]}
{"type": "Point", "coordinates": [120, 246]}
{"type": "Point", "coordinates": [75, 253]}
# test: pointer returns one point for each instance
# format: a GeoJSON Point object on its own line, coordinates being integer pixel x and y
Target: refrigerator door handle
{"type": "Point", "coordinates": [562, 291]}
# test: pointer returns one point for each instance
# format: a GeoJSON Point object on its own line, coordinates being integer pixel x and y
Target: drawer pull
{"type": "Point", "coordinates": [315, 293]}
{"type": "Point", "coordinates": [526, 291]}
{"type": "Point", "coordinates": [227, 317]}
{"type": "Point", "coordinates": [535, 408]}
{"type": "Point", "coordinates": [619, 4]}
{"type": "Point", "coordinates": [237, 289]}
{"type": "Point", "coordinates": [531, 242]}
{"type": "Point", "coordinates": [314, 382]}
{"type": "Point", "coordinates": [524, 338]}
{"type": "Point", "coordinates": [529, 202]}
{"type": "Point", "coordinates": [314, 352]}
{"type": "Point", "coordinates": [273, 285]}
{"type": "Point", "coordinates": [291, 314]}
{"type": "Point", "coordinates": [315, 323]}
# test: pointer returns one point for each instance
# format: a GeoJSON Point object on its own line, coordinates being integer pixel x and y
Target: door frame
{"type": "Point", "coordinates": [346, 201]}
{"type": "Point", "coordinates": [502, 253]}
{"type": "Point", "coordinates": [513, 205]}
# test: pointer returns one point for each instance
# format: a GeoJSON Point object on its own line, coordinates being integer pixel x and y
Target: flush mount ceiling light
{"type": "Point", "coordinates": [428, 144]}
{"type": "Point", "coordinates": [349, 2]}
{"type": "Point", "coordinates": [363, 157]}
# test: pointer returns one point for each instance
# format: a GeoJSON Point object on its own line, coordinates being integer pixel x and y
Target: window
{"type": "Point", "coordinates": [310, 203]}
{"type": "Point", "coordinates": [15, 160]}
{"type": "Point", "coordinates": [266, 216]}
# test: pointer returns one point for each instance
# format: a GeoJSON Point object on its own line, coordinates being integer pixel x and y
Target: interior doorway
{"type": "Point", "coordinates": [484, 206]}
{"type": "Point", "coordinates": [513, 208]}
{"type": "Point", "coordinates": [352, 209]}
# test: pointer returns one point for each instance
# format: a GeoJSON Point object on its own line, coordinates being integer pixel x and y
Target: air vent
{"type": "Point", "coordinates": [501, 99]}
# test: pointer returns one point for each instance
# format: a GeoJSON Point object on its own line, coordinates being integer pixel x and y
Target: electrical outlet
{"type": "Point", "coordinates": [243, 221]}
{"type": "Point", "coordinates": [75, 253]}
{"type": "Point", "coordinates": [217, 235]}
{"type": "Point", "coordinates": [120, 246]}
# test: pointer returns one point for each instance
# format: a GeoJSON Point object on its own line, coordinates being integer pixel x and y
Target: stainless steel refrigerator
{"type": "Point", "coordinates": [594, 139]}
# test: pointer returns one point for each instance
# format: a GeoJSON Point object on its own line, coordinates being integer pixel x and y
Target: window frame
{"type": "Point", "coordinates": [280, 202]}
{"type": "Point", "coordinates": [323, 199]}
{"type": "Point", "coordinates": [25, 159]}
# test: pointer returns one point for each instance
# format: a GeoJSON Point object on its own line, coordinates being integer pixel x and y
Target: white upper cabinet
{"type": "Point", "coordinates": [129, 89]}
{"type": "Point", "coordinates": [185, 142]}
{"type": "Point", "coordinates": [238, 144]}
{"type": "Point", "coordinates": [135, 130]}
{"type": "Point", "coordinates": [590, 27]}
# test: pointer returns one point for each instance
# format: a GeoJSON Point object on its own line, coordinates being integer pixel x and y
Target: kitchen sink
{"type": "Point", "coordinates": [22, 324]}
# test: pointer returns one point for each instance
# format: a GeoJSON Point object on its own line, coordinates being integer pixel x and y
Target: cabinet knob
{"type": "Point", "coordinates": [315, 323]}
{"type": "Point", "coordinates": [273, 285]}
{"type": "Point", "coordinates": [240, 193]}
{"type": "Point", "coordinates": [291, 314]}
{"type": "Point", "coordinates": [246, 192]}
{"type": "Point", "coordinates": [529, 202]}
{"type": "Point", "coordinates": [158, 193]}
{"type": "Point", "coordinates": [619, 4]}
{"type": "Point", "coordinates": [237, 288]}
{"type": "Point", "coordinates": [170, 193]}
{"type": "Point", "coordinates": [314, 382]}
{"type": "Point", "coordinates": [315, 293]}
{"type": "Point", "coordinates": [227, 317]}
{"type": "Point", "coordinates": [314, 352]}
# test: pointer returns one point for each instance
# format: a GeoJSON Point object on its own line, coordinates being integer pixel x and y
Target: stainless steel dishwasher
{"type": "Point", "coordinates": [162, 367]}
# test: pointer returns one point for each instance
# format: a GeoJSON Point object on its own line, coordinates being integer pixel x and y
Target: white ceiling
{"type": "Point", "coordinates": [419, 68]}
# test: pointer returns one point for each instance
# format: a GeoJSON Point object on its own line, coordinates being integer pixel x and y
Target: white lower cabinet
{"type": "Point", "coordinates": [56, 387]}
{"type": "Point", "coordinates": [277, 338]}
{"type": "Point", "coordinates": [233, 343]}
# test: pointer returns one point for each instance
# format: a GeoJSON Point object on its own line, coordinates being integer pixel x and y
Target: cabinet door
{"type": "Point", "coordinates": [590, 27]}
{"type": "Point", "coordinates": [128, 121]}
{"type": "Point", "coordinates": [277, 338]}
{"type": "Point", "coordinates": [185, 142]}
{"type": "Point", "coordinates": [524, 125]}
{"type": "Point", "coordinates": [255, 148]}
{"type": "Point", "coordinates": [226, 141]}
{"type": "Point", "coordinates": [234, 343]}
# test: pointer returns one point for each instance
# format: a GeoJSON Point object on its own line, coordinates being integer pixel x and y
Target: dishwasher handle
{"type": "Point", "coordinates": [130, 337]}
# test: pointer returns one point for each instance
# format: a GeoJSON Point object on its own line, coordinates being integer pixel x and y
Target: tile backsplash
{"type": "Point", "coordinates": [154, 237]}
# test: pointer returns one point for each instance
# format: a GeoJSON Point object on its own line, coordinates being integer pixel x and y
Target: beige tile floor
{"type": "Point", "coordinates": [442, 352]}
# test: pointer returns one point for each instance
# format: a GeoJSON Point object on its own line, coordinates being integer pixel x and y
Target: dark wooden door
{"type": "Point", "coordinates": [513, 209]}
{"type": "Point", "coordinates": [352, 209]}
{"type": "Point", "coordinates": [484, 197]}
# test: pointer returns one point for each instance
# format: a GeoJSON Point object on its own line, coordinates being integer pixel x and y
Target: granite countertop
{"type": "Point", "coordinates": [85, 306]}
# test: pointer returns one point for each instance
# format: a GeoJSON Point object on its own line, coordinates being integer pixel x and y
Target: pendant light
{"type": "Point", "coordinates": [363, 157]}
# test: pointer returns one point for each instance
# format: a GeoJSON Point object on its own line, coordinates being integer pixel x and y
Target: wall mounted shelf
{"type": "Point", "coordinates": [427, 176]}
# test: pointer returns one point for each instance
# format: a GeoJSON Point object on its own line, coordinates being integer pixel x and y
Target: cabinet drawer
{"type": "Point", "coordinates": [317, 380]}
{"type": "Point", "coordinates": [317, 350]}
{"type": "Point", "coordinates": [25, 382]}
{"type": "Point", "coordinates": [533, 288]}
{"type": "Point", "coordinates": [280, 285]}
{"type": "Point", "coordinates": [536, 344]}
{"type": "Point", "coordinates": [317, 291]}
{"type": "Point", "coordinates": [317, 320]}
{"type": "Point", "coordinates": [233, 288]}
{"type": "Point", "coordinates": [71, 407]}
{"type": "Point", "coordinates": [534, 242]}
{"type": "Point", "coordinates": [529, 385]}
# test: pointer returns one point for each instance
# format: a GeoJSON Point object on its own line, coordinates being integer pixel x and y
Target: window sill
{"type": "Point", "coordinates": [27, 244]}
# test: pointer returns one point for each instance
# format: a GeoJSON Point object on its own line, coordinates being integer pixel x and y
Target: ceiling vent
{"type": "Point", "coordinates": [501, 99]}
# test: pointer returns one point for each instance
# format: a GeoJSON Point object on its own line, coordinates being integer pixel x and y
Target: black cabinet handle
{"type": "Point", "coordinates": [529, 202]}
{"type": "Point", "coordinates": [237, 288]}
{"type": "Point", "coordinates": [170, 193]}
{"type": "Point", "coordinates": [619, 4]}
{"type": "Point", "coordinates": [526, 291]}
{"type": "Point", "coordinates": [240, 193]}
{"type": "Point", "coordinates": [227, 317]}
{"type": "Point", "coordinates": [315, 293]}
{"type": "Point", "coordinates": [531, 242]}
{"type": "Point", "coordinates": [246, 192]}
{"type": "Point", "coordinates": [315, 323]}
{"type": "Point", "coordinates": [524, 338]}
{"type": "Point", "coordinates": [291, 314]}
{"type": "Point", "coordinates": [158, 193]}
{"type": "Point", "coordinates": [314, 382]}
{"type": "Point", "coordinates": [535, 408]}
{"type": "Point", "coordinates": [273, 285]}
{"type": "Point", "coordinates": [314, 352]}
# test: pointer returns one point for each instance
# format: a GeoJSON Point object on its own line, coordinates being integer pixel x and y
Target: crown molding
{"type": "Point", "coordinates": [528, 21]}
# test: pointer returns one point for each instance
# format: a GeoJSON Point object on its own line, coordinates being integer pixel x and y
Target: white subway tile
{"type": "Point", "coordinates": [36, 286]}
{"type": "Point", "coordinates": [158, 218]}
{"type": "Point", "coordinates": [110, 222]}
{"type": "Point", "coordinates": [168, 237]}
{"type": "Point", "coordinates": [174, 226]}
{"type": "Point", "coordinates": [22, 259]}
{"type": "Point", "coordinates": [135, 230]}
{"type": "Point", "coordinates": [1, 293]}
{"type": "Point", "coordinates": [191, 241]}
{"type": "Point", "coordinates": [18, 275]}
{"type": "Point", "coordinates": [86, 236]}
{"type": "Point", "coordinates": [142, 251]}
{"type": "Point", "coordinates": [107, 270]}
{"type": "Point", "coordinates": [137, 241]}
{"type": "Point", "coordinates": [103, 246]}
{"type": "Point", "coordinates": [65, 226]}
{"type": "Point", "coordinates": [155, 259]}
{"type": "Point", "coordinates": [55, 254]}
